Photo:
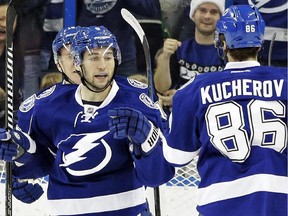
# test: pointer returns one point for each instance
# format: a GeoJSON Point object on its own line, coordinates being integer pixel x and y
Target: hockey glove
{"type": "Point", "coordinates": [26, 192]}
{"type": "Point", "coordinates": [128, 122]}
{"type": "Point", "coordinates": [16, 145]}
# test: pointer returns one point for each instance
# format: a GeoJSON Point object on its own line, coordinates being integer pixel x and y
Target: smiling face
{"type": "Point", "coordinates": [98, 67]}
{"type": "Point", "coordinates": [206, 17]}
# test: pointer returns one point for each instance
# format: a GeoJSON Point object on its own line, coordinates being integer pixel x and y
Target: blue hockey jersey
{"type": "Point", "coordinates": [236, 120]}
{"type": "Point", "coordinates": [90, 172]}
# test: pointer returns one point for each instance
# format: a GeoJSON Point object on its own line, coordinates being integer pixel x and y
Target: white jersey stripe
{"type": "Point", "coordinates": [98, 204]}
{"type": "Point", "coordinates": [242, 187]}
{"type": "Point", "coordinates": [176, 156]}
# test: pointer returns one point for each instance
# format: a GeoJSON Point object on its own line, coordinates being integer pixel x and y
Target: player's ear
{"type": "Point", "coordinates": [59, 67]}
{"type": "Point", "coordinates": [224, 45]}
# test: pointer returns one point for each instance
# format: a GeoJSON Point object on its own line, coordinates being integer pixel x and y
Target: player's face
{"type": "Point", "coordinates": [3, 13]}
{"type": "Point", "coordinates": [98, 66]}
{"type": "Point", "coordinates": [67, 65]}
{"type": "Point", "coordinates": [206, 17]}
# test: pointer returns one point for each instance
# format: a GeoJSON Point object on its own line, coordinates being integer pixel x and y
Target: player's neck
{"type": "Point", "coordinates": [88, 95]}
{"type": "Point", "coordinates": [231, 59]}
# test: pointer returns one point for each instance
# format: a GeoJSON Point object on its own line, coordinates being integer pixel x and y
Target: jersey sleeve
{"type": "Point", "coordinates": [43, 158]}
{"type": "Point", "coordinates": [183, 142]}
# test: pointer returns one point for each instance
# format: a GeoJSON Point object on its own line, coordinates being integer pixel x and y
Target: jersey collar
{"type": "Point", "coordinates": [243, 64]}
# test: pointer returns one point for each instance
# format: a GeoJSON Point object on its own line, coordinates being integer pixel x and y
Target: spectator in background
{"type": "Point", "coordinates": [195, 55]}
{"type": "Point", "coordinates": [275, 15]}
{"type": "Point", "coordinates": [107, 13]}
{"type": "Point", "coordinates": [53, 23]}
{"type": "Point", "coordinates": [31, 18]}
{"type": "Point", "coordinates": [18, 65]}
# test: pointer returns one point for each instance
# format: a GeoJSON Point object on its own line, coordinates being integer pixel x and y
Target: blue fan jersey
{"type": "Point", "coordinates": [194, 58]}
{"type": "Point", "coordinates": [90, 172]}
{"type": "Point", "coordinates": [236, 120]}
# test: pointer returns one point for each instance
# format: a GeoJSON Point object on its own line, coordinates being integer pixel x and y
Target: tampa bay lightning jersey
{"type": "Point", "coordinates": [90, 172]}
{"type": "Point", "coordinates": [236, 120]}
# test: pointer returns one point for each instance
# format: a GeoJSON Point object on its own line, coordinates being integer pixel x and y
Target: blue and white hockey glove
{"type": "Point", "coordinates": [128, 122]}
{"type": "Point", "coordinates": [16, 146]}
{"type": "Point", "coordinates": [26, 192]}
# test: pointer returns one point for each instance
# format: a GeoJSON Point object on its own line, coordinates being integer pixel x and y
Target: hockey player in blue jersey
{"type": "Point", "coordinates": [24, 190]}
{"type": "Point", "coordinates": [99, 154]}
{"type": "Point", "coordinates": [236, 121]}
{"type": "Point", "coordinates": [63, 59]}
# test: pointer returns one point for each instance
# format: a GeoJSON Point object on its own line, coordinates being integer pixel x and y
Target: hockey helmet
{"type": "Point", "coordinates": [93, 37]}
{"type": "Point", "coordinates": [64, 36]}
{"type": "Point", "coordinates": [242, 26]}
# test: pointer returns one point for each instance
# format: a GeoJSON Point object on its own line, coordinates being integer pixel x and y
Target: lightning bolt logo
{"type": "Point", "coordinates": [83, 146]}
{"type": "Point", "coordinates": [260, 4]}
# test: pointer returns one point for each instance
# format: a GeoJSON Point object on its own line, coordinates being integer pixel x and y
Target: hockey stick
{"type": "Point", "coordinates": [133, 22]}
{"type": "Point", "coordinates": [12, 12]}
{"type": "Point", "coordinates": [271, 48]}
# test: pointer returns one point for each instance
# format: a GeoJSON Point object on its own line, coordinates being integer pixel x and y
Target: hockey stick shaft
{"type": "Point", "coordinates": [10, 19]}
{"type": "Point", "coordinates": [133, 22]}
{"type": "Point", "coordinates": [271, 48]}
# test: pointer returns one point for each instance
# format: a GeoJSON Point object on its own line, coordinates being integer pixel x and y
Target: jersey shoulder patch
{"type": "Point", "coordinates": [147, 101]}
{"type": "Point", "coordinates": [29, 103]}
{"type": "Point", "coordinates": [47, 92]}
{"type": "Point", "coordinates": [137, 84]}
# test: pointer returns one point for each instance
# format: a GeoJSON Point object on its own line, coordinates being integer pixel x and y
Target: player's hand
{"type": "Point", "coordinates": [8, 149]}
{"type": "Point", "coordinates": [166, 98]}
{"type": "Point", "coordinates": [131, 123]}
{"type": "Point", "coordinates": [16, 145]}
{"type": "Point", "coordinates": [26, 192]}
{"type": "Point", "coordinates": [170, 46]}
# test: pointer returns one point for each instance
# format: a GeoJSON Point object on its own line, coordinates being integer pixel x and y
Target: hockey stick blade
{"type": "Point", "coordinates": [12, 12]}
{"type": "Point", "coordinates": [133, 22]}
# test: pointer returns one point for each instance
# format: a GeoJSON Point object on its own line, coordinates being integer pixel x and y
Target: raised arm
{"type": "Point", "coordinates": [162, 76]}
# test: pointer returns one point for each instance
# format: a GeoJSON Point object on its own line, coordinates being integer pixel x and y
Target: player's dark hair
{"type": "Point", "coordinates": [242, 54]}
